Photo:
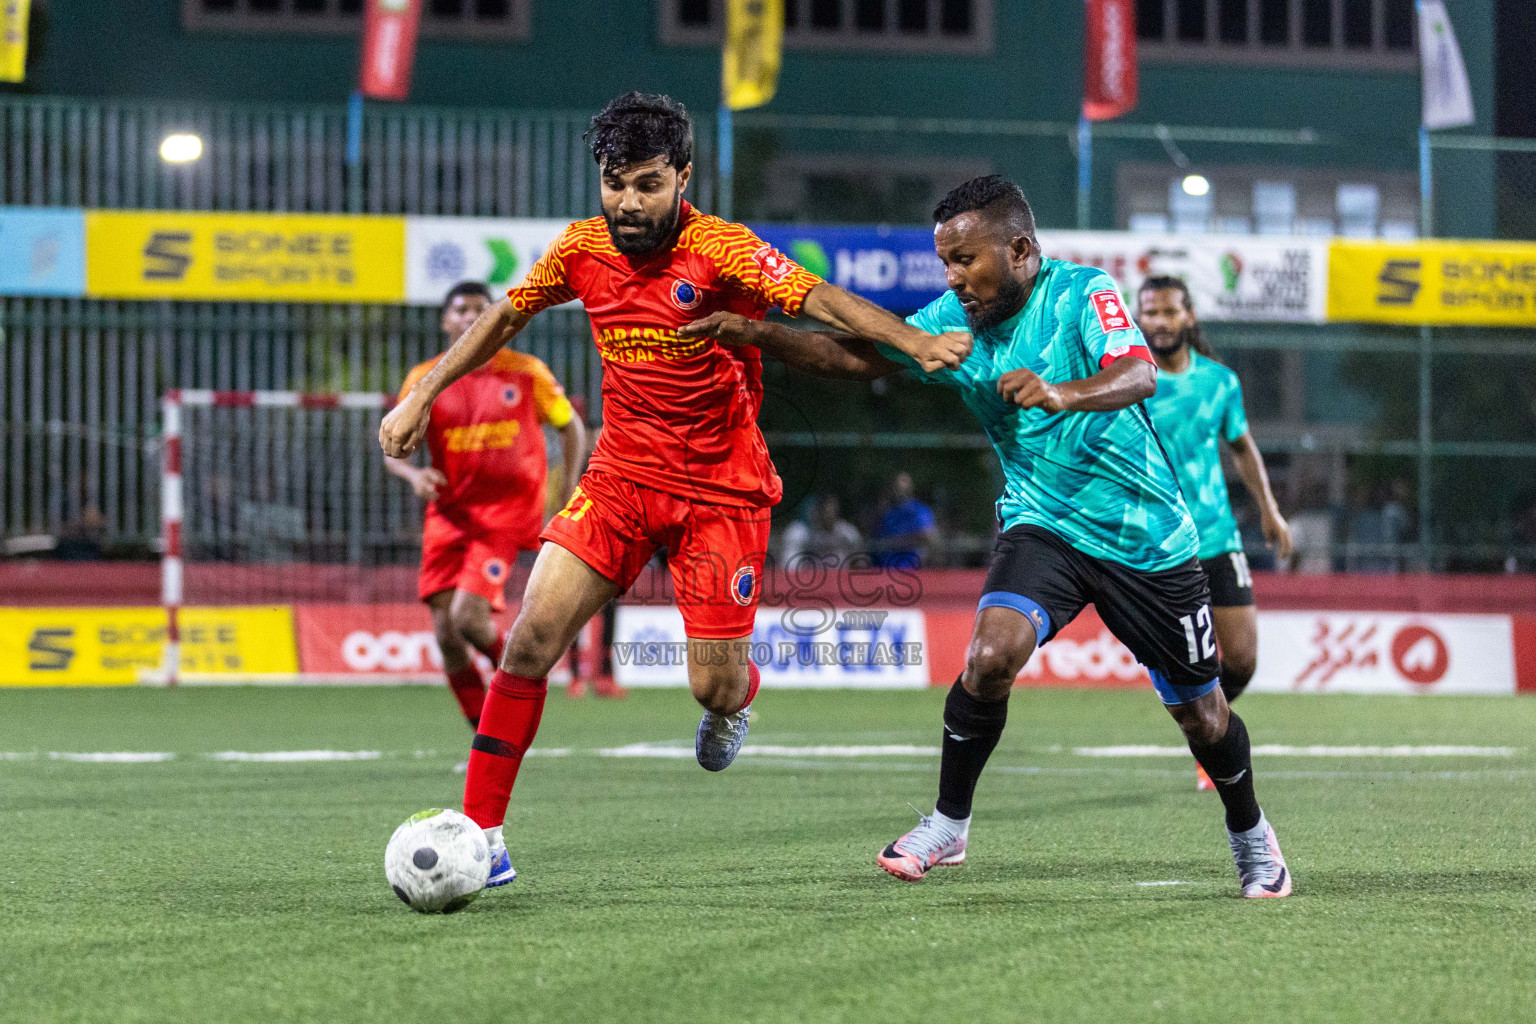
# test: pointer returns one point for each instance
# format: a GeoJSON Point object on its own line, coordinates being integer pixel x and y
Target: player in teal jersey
{"type": "Point", "coordinates": [1199, 403]}
{"type": "Point", "coordinates": [1090, 513]}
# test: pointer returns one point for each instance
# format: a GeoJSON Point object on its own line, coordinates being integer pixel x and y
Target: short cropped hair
{"type": "Point", "coordinates": [465, 288]}
{"type": "Point", "coordinates": [992, 193]}
{"type": "Point", "coordinates": [637, 127]}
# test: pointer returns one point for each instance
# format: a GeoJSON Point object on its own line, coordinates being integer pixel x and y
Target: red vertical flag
{"type": "Point", "coordinates": [1109, 59]}
{"type": "Point", "coordinates": [389, 48]}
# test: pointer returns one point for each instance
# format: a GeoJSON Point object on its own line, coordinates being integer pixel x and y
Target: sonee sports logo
{"type": "Point", "coordinates": [1400, 282]}
{"type": "Point", "coordinates": [1111, 311]}
{"type": "Point", "coordinates": [167, 255]}
{"type": "Point", "coordinates": [743, 585]}
{"type": "Point", "coordinates": [686, 294]}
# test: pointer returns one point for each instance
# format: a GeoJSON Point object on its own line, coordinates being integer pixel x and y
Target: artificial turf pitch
{"type": "Point", "coordinates": [195, 889]}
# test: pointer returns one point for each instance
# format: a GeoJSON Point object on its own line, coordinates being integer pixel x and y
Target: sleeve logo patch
{"type": "Point", "coordinates": [1111, 311]}
{"type": "Point", "coordinates": [1118, 351]}
{"type": "Point", "coordinates": [775, 265]}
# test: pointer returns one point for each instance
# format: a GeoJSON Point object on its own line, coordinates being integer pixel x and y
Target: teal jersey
{"type": "Point", "coordinates": [1098, 480]}
{"type": "Point", "coordinates": [1192, 411]}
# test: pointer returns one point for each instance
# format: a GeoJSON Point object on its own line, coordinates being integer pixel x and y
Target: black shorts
{"type": "Point", "coordinates": [1231, 582]}
{"type": "Point", "coordinates": [1163, 617]}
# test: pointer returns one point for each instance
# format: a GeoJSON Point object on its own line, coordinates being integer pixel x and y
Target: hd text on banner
{"type": "Point", "coordinates": [244, 256]}
{"type": "Point", "coordinates": [1231, 277]}
{"type": "Point", "coordinates": [1438, 283]}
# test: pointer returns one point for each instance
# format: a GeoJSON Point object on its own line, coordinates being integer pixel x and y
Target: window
{"type": "Point", "coordinates": [1340, 33]}
{"type": "Point", "coordinates": [944, 26]}
{"type": "Point", "coordinates": [859, 189]}
{"type": "Point", "coordinates": [1268, 201]}
{"type": "Point", "coordinates": [496, 19]}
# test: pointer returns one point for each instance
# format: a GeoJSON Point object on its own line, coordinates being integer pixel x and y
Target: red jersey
{"type": "Point", "coordinates": [679, 415]}
{"type": "Point", "coordinates": [484, 433]}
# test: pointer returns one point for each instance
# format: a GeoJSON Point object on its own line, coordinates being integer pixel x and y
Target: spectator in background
{"type": "Point", "coordinates": [84, 538]}
{"type": "Point", "coordinates": [906, 529]}
{"type": "Point", "coordinates": [821, 531]}
{"type": "Point", "coordinates": [1312, 531]}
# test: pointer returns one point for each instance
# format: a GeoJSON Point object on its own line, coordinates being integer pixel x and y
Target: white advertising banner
{"type": "Point", "coordinates": [807, 648]}
{"type": "Point", "coordinates": [1371, 652]}
{"type": "Point", "coordinates": [1230, 277]}
{"type": "Point", "coordinates": [442, 251]}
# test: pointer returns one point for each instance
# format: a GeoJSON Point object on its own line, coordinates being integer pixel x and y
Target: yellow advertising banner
{"type": "Point", "coordinates": [113, 646]}
{"type": "Point", "coordinates": [754, 40]}
{"type": "Point", "coordinates": [1433, 283]}
{"type": "Point", "coordinates": [252, 257]}
{"type": "Point", "coordinates": [13, 39]}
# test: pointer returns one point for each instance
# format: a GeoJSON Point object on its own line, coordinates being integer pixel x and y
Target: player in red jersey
{"type": "Point", "coordinates": [680, 464]}
{"type": "Point", "coordinates": [484, 490]}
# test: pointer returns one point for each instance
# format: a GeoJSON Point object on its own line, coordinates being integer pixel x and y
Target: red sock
{"type": "Point", "coordinates": [498, 645]}
{"type": "Point", "coordinates": [508, 724]}
{"type": "Point", "coordinates": [754, 680]}
{"type": "Point", "coordinates": [469, 690]}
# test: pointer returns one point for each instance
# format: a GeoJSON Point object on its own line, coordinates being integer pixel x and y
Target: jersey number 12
{"type": "Point", "coordinates": [1204, 645]}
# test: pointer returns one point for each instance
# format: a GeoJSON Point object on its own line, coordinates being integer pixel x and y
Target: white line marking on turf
{"type": "Point", "coordinates": [1283, 750]}
{"type": "Point", "coordinates": [18, 755]}
{"type": "Point", "coordinates": [1146, 885]}
{"type": "Point", "coordinates": [112, 757]}
{"type": "Point", "coordinates": [773, 750]}
{"type": "Point", "coordinates": [297, 755]}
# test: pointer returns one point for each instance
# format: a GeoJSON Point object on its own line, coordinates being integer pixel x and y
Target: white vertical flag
{"type": "Point", "coordinates": [1447, 92]}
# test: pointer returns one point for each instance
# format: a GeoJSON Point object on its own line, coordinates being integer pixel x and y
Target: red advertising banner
{"type": "Point", "coordinates": [1109, 59]}
{"type": "Point", "coordinates": [371, 640]}
{"type": "Point", "coordinates": [389, 48]}
{"type": "Point", "coordinates": [1083, 654]}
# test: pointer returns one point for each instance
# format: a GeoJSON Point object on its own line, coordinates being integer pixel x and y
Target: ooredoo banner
{"type": "Point", "coordinates": [384, 641]}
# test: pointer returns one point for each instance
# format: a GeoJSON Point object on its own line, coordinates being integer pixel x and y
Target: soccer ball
{"type": "Point", "coordinates": [437, 861]}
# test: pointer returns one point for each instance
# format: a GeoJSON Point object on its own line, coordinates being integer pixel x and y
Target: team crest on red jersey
{"type": "Point", "coordinates": [510, 395]}
{"type": "Point", "coordinates": [1111, 311]}
{"type": "Point", "coordinates": [744, 585]}
{"type": "Point", "coordinates": [495, 570]}
{"type": "Point", "coordinates": [776, 266]}
{"type": "Point", "coordinates": [686, 294]}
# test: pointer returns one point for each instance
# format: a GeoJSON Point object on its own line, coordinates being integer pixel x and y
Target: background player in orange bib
{"type": "Point", "coordinates": [681, 463]}
{"type": "Point", "coordinates": [484, 490]}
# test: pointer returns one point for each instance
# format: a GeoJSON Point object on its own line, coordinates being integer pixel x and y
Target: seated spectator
{"type": "Point", "coordinates": [906, 529]}
{"type": "Point", "coordinates": [822, 532]}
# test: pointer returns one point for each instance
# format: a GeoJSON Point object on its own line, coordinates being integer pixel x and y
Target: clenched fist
{"type": "Point", "coordinates": [941, 351]}
{"type": "Point", "coordinates": [1028, 390]}
{"type": "Point", "coordinates": [404, 426]}
{"type": "Point", "coordinates": [726, 328]}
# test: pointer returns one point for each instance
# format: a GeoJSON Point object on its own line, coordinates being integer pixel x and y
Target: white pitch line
{"type": "Point", "coordinates": [112, 757]}
{"type": "Point", "coordinates": [1283, 750]}
{"type": "Point", "coordinates": [1148, 885]}
{"type": "Point", "coordinates": [772, 750]}
{"type": "Point", "coordinates": [287, 756]}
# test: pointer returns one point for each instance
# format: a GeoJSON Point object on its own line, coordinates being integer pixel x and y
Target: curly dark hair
{"type": "Point", "coordinates": [636, 127]}
{"type": "Point", "coordinates": [992, 193]}
{"type": "Point", "coordinates": [1193, 335]}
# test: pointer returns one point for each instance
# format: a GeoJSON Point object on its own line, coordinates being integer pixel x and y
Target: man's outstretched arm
{"type": "Point", "coordinates": [402, 430]}
{"type": "Point", "coordinates": [817, 353]}
{"type": "Point", "coordinates": [856, 317]}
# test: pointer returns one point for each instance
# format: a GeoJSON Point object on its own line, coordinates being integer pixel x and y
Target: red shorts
{"type": "Point", "coordinates": [473, 549]}
{"type": "Point", "coordinates": [715, 552]}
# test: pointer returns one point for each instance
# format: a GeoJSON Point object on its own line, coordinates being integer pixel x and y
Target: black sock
{"type": "Point", "coordinates": [1229, 763]}
{"type": "Point", "coordinates": [1232, 683]}
{"type": "Point", "coordinates": [971, 730]}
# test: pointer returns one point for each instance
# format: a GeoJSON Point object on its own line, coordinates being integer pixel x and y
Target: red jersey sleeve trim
{"type": "Point", "coordinates": [1121, 351]}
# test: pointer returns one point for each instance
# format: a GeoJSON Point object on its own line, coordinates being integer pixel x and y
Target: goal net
{"type": "Point", "coordinates": [290, 552]}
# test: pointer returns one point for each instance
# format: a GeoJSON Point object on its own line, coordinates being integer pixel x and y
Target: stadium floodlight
{"type": "Point", "coordinates": [181, 148]}
{"type": "Point", "coordinates": [1197, 185]}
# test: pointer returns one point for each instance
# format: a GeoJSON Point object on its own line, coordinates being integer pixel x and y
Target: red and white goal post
{"type": "Point", "coordinates": [270, 521]}
{"type": "Point", "coordinates": [277, 512]}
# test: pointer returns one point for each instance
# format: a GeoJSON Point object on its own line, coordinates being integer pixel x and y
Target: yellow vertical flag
{"type": "Point", "coordinates": [754, 39]}
{"type": "Point", "coordinates": [13, 39]}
